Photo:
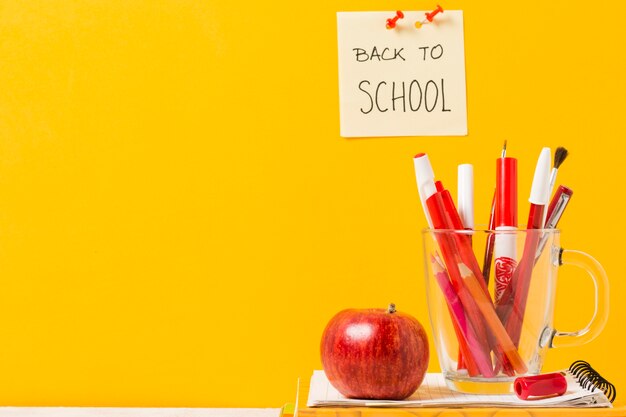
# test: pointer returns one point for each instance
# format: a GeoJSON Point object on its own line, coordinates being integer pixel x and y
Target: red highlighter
{"type": "Point", "coordinates": [545, 385]}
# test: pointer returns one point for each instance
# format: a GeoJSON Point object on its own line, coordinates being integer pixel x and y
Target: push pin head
{"type": "Point", "coordinates": [391, 23]}
{"type": "Point", "coordinates": [430, 16]}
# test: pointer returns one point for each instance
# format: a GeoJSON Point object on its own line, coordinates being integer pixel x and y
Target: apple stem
{"type": "Point", "coordinates": [391, 309]}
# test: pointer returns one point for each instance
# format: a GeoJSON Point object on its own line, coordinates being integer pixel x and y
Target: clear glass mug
{"type": "Point", "coordinates": [489, 331]}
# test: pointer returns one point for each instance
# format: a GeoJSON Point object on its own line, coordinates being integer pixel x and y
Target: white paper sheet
{"type": "Point", "coordinates": [435, 393]}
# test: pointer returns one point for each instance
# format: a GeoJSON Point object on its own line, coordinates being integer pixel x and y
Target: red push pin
{"type": "Point", "coordinates": [391, 23]}
{"type": "Point", "coordinates": [429, 16]}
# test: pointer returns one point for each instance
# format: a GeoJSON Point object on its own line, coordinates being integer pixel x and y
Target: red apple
{"type": "Point", "coordinates": [375, 353]}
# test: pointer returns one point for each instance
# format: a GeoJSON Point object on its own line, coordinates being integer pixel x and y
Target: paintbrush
{"type": "Point", "coordinates": [559, 156]}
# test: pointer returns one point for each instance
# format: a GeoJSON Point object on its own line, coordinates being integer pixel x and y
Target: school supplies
{"type": "Point", "coordinates": [463, 269]}
{"type": "Point", "coordinates": [488, 342]}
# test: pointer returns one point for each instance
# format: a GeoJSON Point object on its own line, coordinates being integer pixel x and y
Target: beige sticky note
{"type": "Point", "coordinates": [405, 81]}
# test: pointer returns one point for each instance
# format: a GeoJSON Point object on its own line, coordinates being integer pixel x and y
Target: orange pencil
{"type": "Point", "coordinates": [491, 318]}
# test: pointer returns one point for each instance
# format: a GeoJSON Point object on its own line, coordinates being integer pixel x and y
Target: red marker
{"type": "Point", "coordinates": [512, 304]}
{"type": "Point", "coordinates": [506, 222]}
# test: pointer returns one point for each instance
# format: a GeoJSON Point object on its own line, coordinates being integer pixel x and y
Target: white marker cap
{"type": "Point", "coordinates": [423, 169]}
{"type": "Point", "coordinates": [540, 191]}
{"type": "Point", "coordinates": [425, 178]}
{"type": "Point", "coordinates": [465, 194]}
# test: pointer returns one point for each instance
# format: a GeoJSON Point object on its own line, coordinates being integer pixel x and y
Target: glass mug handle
{"type": "Point", "coordinates": [601, 310]}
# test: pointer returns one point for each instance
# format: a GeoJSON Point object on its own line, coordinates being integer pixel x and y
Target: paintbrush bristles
{"type": "Point", "coordinates": [559, 156]}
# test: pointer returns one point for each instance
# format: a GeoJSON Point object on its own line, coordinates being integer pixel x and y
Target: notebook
{"type": "Point", "coordinates": [435, 393]}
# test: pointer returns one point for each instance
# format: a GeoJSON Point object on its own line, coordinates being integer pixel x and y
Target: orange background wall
{"type": "Point", "coordinates": [179, 217]}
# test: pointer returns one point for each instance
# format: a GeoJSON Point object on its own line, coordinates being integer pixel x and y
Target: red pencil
{"type": "Point", "coordinates": [443, 219]}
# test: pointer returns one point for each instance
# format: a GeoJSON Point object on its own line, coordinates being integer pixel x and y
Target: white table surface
{"type": "Point", "coordinates": [136, 412]}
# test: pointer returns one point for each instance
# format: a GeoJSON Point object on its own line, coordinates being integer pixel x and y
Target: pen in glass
{"type": "Point", "coordinates": [555, 211]}
{"type": "Point", "coordinates": [559, 157]}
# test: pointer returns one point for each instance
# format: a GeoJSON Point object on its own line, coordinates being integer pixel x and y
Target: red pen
{"type": "Point", "coordinates": [557, 206]}
{"type": "Point", "coordinates": [555, 211]}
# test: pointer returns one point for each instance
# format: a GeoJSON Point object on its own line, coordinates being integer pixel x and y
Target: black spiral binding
{"type": "Point", "coordinates": [589, 378]}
